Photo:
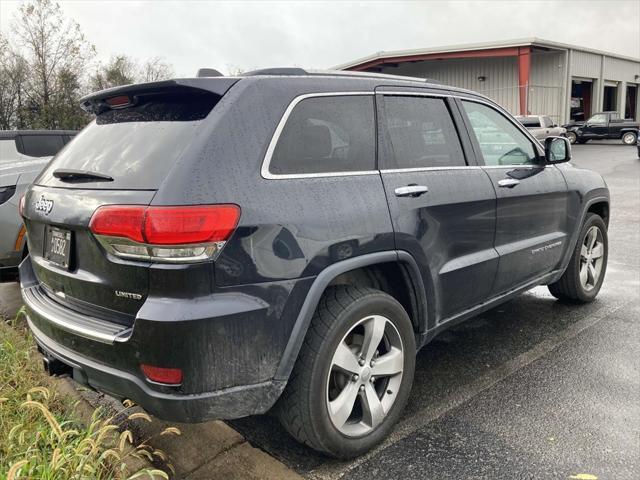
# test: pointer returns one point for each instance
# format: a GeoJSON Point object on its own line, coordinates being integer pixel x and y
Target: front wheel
{"type": "Point", "coordinates": [629, 138]}
{"type": "Point", "coordinates": [353, 375]}
{"type": "Point", "coordinates": [584, 275]}
{"type": "Point", "coordinates": [572, 137]}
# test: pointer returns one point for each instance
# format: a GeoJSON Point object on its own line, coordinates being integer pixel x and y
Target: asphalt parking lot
{"type": "Point", "coordinates": [532, 389]}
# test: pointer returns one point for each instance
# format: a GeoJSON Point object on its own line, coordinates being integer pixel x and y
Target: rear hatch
{"type": "Point", "coordinates": [120, 158]}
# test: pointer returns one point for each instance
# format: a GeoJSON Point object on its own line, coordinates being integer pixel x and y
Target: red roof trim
{"type": "Point", "coordinates": [484, 53]}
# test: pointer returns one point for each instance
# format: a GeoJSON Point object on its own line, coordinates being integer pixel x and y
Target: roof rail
{"type": "Point", "coordinates": [296, 71]}
{"type": "Point", "coordinates": [276, 71]}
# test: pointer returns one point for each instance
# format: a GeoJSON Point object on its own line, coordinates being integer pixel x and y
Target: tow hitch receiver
{"type": "Point", "coordinates": [54, 366]}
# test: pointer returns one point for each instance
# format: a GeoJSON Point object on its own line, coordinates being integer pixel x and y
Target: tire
{"type": "Point", "coordinates": [629, 138]}
{"type": "Point", "coordinates": [571, 286]}
{"type": "Point", "coordinates": [572, 137]}
{"type": "Point", "coordinates": [308, 407]}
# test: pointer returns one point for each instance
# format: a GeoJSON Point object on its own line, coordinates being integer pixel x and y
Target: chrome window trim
{"type": "Point", "coordinates": [266, 163]}
{"type": "Point", "coordinates": [267, 175]}
{"type": "Point", "coordinates": [517, 165]}
{"type": "Point", "coordinates": [429, 169]}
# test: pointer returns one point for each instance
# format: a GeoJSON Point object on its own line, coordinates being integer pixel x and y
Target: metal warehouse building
{"type": "Point", "coordinates": [525, 76]}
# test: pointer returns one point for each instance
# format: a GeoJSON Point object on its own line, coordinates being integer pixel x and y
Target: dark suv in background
{"type": "Point", "coordinates": [215, 247]}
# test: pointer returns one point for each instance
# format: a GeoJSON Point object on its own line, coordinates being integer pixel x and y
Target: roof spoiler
{"type": "Point", "coordinates": [96, 102]}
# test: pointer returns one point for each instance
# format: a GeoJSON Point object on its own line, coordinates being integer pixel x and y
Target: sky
{"type": "Point", "coordinates": [193, 34]}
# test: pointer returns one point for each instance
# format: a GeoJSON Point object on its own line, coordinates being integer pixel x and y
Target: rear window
{"type": "Point", "coordinates": [530, 122]}
{"type": "Point", "coordinates": [40, 145]}
{"type": "Point", "coordinates": [136, 145]}
{"type": "Point", "coordinates": [327, 135]}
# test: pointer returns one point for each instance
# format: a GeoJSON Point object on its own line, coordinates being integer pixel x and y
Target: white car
{"type": "Point", "coordinates": [541, 126]}
{"type": "Point", "coordinates": [23, 154]}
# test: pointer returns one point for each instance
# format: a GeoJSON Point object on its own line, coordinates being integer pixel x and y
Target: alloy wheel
{"type": "Point", "coordinates": [365, 376]}
{"type": "Point", "coordinates": [591, 258]}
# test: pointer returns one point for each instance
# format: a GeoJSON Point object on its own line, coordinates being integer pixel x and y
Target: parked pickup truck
{"type": "Point", "coordinates": [603, 125]}
{"type": "Point", "coordinates": [541, 126]}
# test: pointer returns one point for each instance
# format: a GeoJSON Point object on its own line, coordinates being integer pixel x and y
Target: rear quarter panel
{"type": "Point", "coordinates": [289, 228]}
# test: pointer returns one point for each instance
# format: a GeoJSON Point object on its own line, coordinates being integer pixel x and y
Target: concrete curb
{"type": "Point", "coordinates": [211, 450]}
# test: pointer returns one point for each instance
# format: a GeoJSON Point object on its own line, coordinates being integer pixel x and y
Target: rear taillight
{"type": "Point", "coordinates": [21, 206]}
{"type": "Point", "coordinates": [165, 234]}
{"type": "Point", "coordinates": [165, 376]}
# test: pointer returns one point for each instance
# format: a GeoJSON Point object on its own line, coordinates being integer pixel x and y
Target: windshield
{"type": "Point", "coordinates": [530, 122]}
{"type": "Point", "coordinates": [136, 146]}
{"type": "Point", "coordinates": [600, 118]}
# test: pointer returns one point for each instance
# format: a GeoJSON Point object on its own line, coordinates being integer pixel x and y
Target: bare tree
{"type": "Point", "coordinates": [235, 70]}
{"type": "Point", "coordinates": [123, 70]}
{"type": "Point", "coordinates": [13, 72]}
{"type": "Point", "coordinates": [56, 53]}
{"type": "Point", "coordinates": [43, 69]}
{"type": "Point", "coordinates": [120, 70]}
{"type": "Point", "coordinates": [155, 69]}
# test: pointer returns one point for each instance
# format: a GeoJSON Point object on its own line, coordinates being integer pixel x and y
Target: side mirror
{"type": "Point", "coordinates": [557, 149]}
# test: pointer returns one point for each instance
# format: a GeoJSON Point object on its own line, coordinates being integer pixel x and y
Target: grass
{"type": "Point", "coordinates": [43, 437]}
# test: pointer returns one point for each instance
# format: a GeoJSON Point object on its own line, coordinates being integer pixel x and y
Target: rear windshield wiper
{"type": "Point", "coordinates": [68, 175]}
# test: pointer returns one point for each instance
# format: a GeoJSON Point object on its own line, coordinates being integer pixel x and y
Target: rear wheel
{"type": "Point", "coordinates": [629, 138]}
{"type": "Point", "coordinates": [572, 137]}
{"type": "Point", "coordinates": [584, 275]}
{"type": "Point", "coordinates": [353, 375]}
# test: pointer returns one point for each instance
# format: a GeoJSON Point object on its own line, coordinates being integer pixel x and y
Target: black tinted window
{"type": "Point", "coordinates": [136, 145]}
{"type": "Point", "coordinates": [162, 108]}
{"type": "Point", "coordinates": [421, 133]}
{"type": "Point", "coordinates": [532, 122]}
{"type": "Point", "coordinates": [327, 134]}
{"type": "Point", "coordinates": [41, 145]}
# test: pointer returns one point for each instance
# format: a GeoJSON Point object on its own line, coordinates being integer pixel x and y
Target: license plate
{"type": "Point", "coordinates": [57, 247]}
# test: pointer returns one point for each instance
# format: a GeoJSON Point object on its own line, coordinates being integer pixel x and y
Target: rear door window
{"type": "Point", "coordinates": [136, 145]}
{"type": "Point", "coordinates": [41, 145]}
{"type": "Point", "coordinates": [421, 133]}
{"type": "Point", "coordinates": [327, 135]}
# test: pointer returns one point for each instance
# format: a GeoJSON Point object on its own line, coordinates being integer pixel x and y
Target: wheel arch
{"type": "Point", "coordinates": [599, 207]}
{"type": "Point", "coordinates": [597, 204]}
{"type": "Point", "coordinates": [367, 266]}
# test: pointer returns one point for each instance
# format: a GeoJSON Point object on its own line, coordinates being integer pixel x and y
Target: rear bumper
{"type": "Point", "coordinates": [227, 403]}
{"type": "Point", "coordinates": [227, 344]}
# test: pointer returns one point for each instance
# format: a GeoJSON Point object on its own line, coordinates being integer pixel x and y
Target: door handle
{"type": "Point", "coordinates": [508, 182]}
{"type": "Point", "coordinates": [411, 191]}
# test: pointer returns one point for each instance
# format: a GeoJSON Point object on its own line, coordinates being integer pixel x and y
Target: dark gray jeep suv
{"type": "Point", "coordinates": [216, 247]}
